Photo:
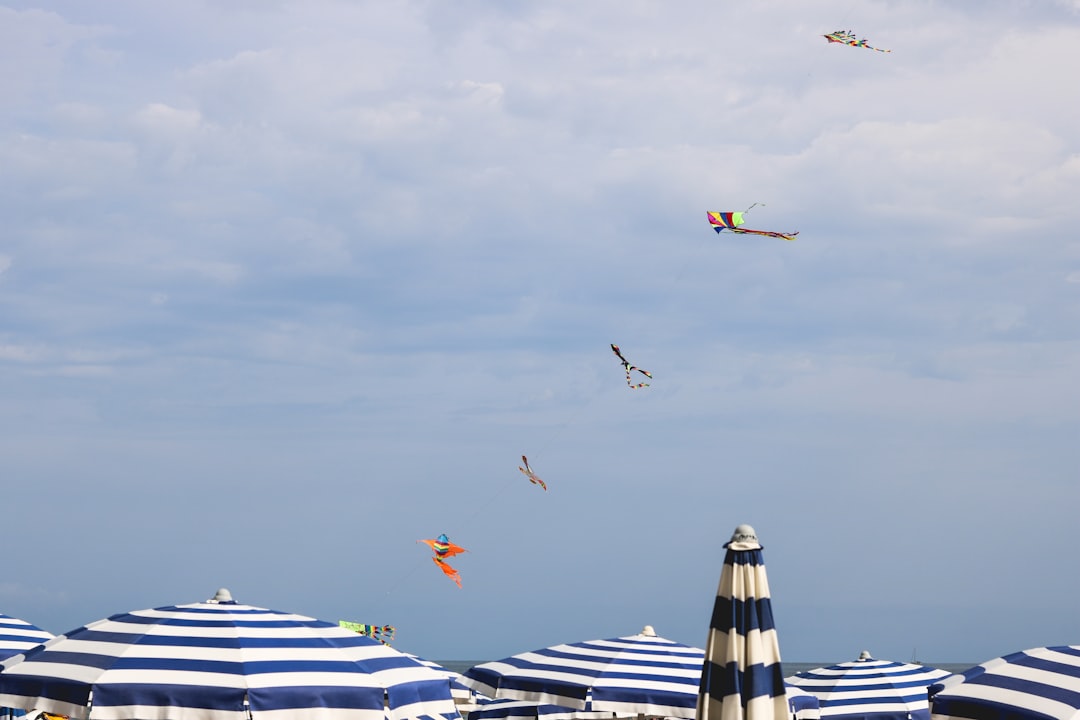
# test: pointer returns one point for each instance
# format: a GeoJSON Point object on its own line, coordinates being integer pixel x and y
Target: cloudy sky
{"type": "Point", "coordinates": [286, 286]}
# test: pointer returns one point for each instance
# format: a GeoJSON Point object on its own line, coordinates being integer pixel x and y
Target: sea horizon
{"type": "Point", "coordinates": [790, 668]}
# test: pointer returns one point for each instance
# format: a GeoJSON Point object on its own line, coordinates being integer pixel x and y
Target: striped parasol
{"type": "Point", "coordinates": [458, 690]}
{"type": "Point", "coordinates": [18, 636]}
{"type": "Point", "coordinates": [803, 705]}
{"type": "Point", "coordinates": [1037, 684]}
{"type": "Point", "coordinates": [219, 660]}
{"type": "Point", "coordinates": [742, 678]}
{"type": "Point", "coordinates": [639, 674]}
{"type": "Point", "coordinates": [871, 689]}
{"type": "Point", "coordinates": [524, 710]}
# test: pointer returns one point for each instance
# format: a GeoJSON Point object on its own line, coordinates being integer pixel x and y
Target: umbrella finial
{"type": "Point", "coordinates": [744, 538]}
{"type": "Point", "coordinates": [648, 631]}
{"type": "Point", "coordinates": [865, 655]}
{"type": "Point", "coordinates": [222, 597]}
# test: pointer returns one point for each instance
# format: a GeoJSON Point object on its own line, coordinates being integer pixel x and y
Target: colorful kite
{"type": "Point", "coordinates": [846, 37]}
{"type": "Point", "coordinates": [732, 220]}
{"type": "Point", "coordinates": [382, 633]}
{"type": "Point", "coordinates": [444, 549]}
{"type": "Point", "coordinates": [630, 368]}
{"type": "Point", "coordinates": [527, 471]}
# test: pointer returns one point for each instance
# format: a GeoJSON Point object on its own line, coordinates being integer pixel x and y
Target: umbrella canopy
{"type": "Point", "coordinates": [524, 710]}
{"type": "Point", "coordinates": [803, 705]}
{"type": "Point", "coordinates": [1038, 684]}
{"type": "Point", "coordinates": [639, 674]}
{"type": "Point", "coordinates": [742, 678]}
{"type": "Point", "coordinates": [872, 689]}
{"type": "Point", "coordinates": [458, 689]}
{"type": "Point", "coordinates": [18, 636]}
{"type": "Point", "coordinates": [219, 660]}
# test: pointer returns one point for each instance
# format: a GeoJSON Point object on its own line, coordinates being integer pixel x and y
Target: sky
{"type": "Point", "coordinates": [286, 287]}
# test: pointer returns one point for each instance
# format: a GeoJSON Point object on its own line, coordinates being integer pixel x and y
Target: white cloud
{"type": "Point", "coordinates": [20, 353]}
{"type": "Point", "coordinates": [159, 119]}
{"type": "Point", "coordinates": [377, 246]}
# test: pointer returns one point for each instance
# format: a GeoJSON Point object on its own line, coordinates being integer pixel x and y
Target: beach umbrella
{"type": "Point", "coordinates": [871, 689]}
{"type": "Point", "coordinates": [219, 660]}
{"type": "Point", "coordinates": [801, 704]}
{"type": "Point", "coordinates": [742, 678]}
{"type": "Point", "coordinates": [18, 636]}
{"type": "Point", "coordinates": [458, 690]}
{"type": "Point", "coordinates": [1037, 684]}
{"type": "Point", "coordinates": [642, 674]}
{"type": "Point", "coordinates": [525, 710]}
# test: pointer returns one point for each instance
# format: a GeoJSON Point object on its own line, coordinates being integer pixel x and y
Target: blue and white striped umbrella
{"type": "Point", "coordinates": [871, 689]}
{"type": "Point", "coordinates": [742, 678]}
{"type": "Point", "coordinates": [221, 661]}
{"type": "Point", "coordinates": [803, 705]}
{"type": "Point", "coordinates": [525, 710]}
{"type": "Point", "coordinates": [639, 674]}
{"type": "Point", "coordinates": [1038, 684]}
{"type": "Point", "coordinates": [18, 636]}
{"type": "Point", "coordinates": [458, 690]}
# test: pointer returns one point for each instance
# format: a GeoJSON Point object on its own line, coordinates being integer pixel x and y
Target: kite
{"type": "Point", "coordinates": [443, 549]}
{"type": "Point", "coordinates": [630, 368]}
{"type": "Point", "coordinates": [382, 633]}
{"type": "Point", "coordinates": [732, 220]}
{"type": "Point", "coordinates": [527, 471]}
{"type": "Point", "coordinates": [846, 37]}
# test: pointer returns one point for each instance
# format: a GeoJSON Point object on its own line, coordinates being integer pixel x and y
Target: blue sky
{"type": "Point", "coordinates": [285, 287]}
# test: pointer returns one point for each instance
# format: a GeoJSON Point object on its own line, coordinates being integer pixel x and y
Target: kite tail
{"type": "Point", "coordinates": [449, 571]}
{"type": "Point", "coordinates": [766, 233]}
{"type": "Point", "coordinates": [635, 386]}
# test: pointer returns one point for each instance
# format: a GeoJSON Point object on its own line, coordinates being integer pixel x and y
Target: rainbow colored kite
{"type": "Point", "coordinates": [382, 633]}
{"type": "Point", "coordinates": [444, 549]}
{"type": "Point", "coordinates": [732, 221]}
{"type": "Point", "coordinates": [846, 37]}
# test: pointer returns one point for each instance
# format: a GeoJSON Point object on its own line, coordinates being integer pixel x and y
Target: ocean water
{"type": "Point", "coordinates": [790, 668]}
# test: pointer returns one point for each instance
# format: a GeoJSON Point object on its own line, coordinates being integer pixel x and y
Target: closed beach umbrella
{"type": "Point", "coordinates": [219, 660]}
{"type": "Point", "coordinates": [639, 674]}
{"type": "Point", "coordinates": [18, 636]}
{"type": "Point", "coordinates": [871, 689]}
{"type": "Point", "coordinates": [742, 678]}
{"type": "Point", "coordinates": [1038, 684]}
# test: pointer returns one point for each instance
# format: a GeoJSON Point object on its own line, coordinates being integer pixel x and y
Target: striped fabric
{"type": "Point", "coordinates": [1037, 684]}
{"type": "Point", "coordinates": [458, 690]}
{"type": "Point", "coordinates": [742, 678]}
{"type": "Point", "coordinates": [872, 689]}
{"type": "Point", "coordinates": [222, 661]}
{"type": "Point", "coordinates": [18, 636]}
{"type": "Point", "coordinates": [801, 704]}
{"type": "Point", "coordinates": [523, 710]}
{"type": "Point", "coordinates": [638, 674]}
